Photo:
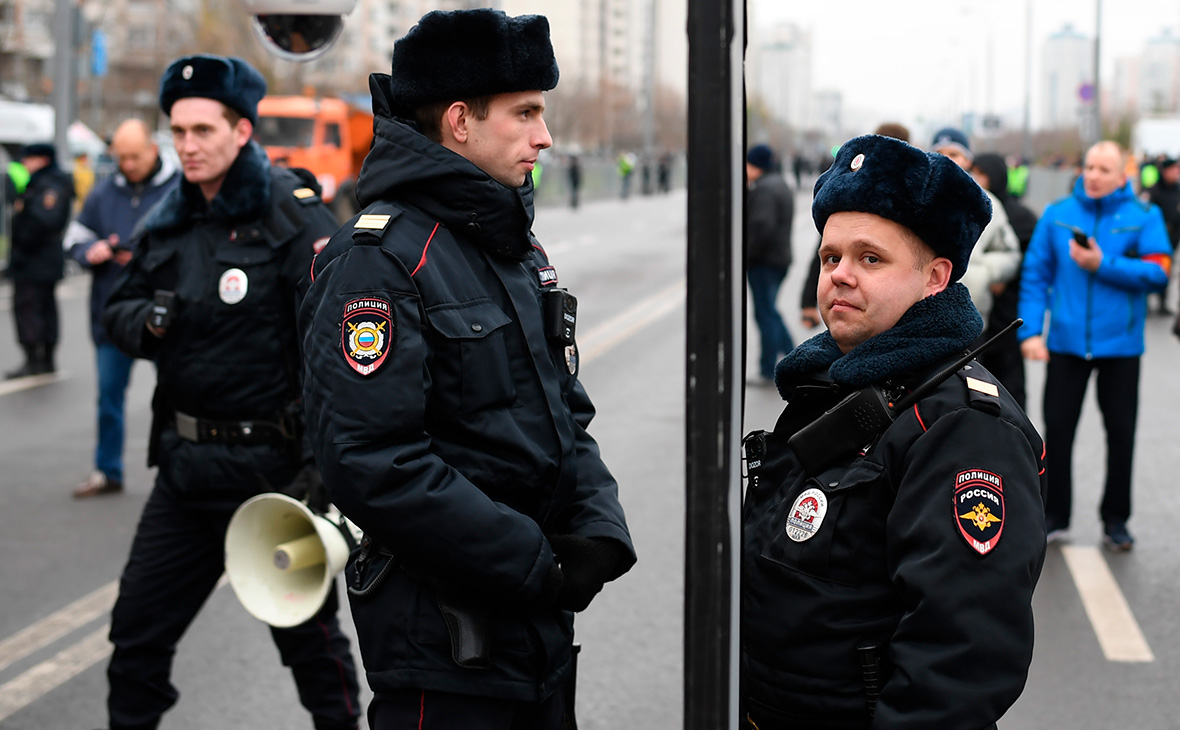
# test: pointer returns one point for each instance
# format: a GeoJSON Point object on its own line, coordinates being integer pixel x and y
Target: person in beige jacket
{"type": "Point", "coordinates": [995, 260]}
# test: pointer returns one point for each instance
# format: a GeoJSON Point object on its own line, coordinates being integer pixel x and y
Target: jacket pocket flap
{"type": "Point", "coordinates": [155, 258]}
{"type": "Point", "coordinates": [245, 255]}
{"type": "Point", "coordinates": [470, 321]}
{"type": "Point", "coordinates": [858, 475]}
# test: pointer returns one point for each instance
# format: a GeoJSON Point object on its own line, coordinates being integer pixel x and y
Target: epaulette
{"type": "Point", "coordinates": [983, 393]}
{"type": "Point", "coordinates": [370, 226]}
{"type": "Point", "coordinates": [306, 196]}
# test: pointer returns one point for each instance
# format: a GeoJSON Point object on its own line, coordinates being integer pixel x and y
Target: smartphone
{"type": "Point", "coordinates": [1080, 236]}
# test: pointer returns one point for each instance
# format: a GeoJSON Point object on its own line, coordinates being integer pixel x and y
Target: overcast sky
{"type": "Point", "coordinates": [929, 58]}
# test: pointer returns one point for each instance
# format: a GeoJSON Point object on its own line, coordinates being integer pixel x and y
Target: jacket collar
{"type": "Point", "coordinates": [405, 165]}
{"type": "Point", "coordinates": [929, 332]}
{"type": "Point", "coordinates": [1108, 202]}
{"type": "Point", "coordinates": [244, 194]}
{"type": "Point", "coordinates": [164, 170]}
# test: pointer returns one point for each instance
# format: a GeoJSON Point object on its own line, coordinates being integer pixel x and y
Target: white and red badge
{"type": "Point", "coordinates": [979, 508]}
{"type": "Point", "coordinates": [232, 286]}
{"type": "Point", "coordinates": [806, 515]}
{"type": "Point", "coordinates": [366, 333]}
{"type": "Point", "coordinates": [547, 276]}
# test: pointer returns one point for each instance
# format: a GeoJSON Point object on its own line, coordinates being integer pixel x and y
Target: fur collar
{"type": "Point", "coordinates": [244, 194]}
{"type": "Point", "coordinates": [930, 331]}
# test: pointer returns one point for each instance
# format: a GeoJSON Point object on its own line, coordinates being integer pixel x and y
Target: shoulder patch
{"type": "Point", "coordinates": [979, 508]}
{"type": "Point", "coordinates": [367, 333]}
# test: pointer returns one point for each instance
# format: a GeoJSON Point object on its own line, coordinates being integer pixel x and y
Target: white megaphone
{"type": "Point", "coordinates": [281, 557]}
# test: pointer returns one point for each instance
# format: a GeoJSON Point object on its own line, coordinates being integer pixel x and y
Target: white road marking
{"type": "Point", "coordinates": [51, 674]}
{"type": "Point", "coordinates": [31, 381]}
{"type": "Point", "coordinates": [1114, 624]}
{"type": "Point", "coordinates": [618, 328]}
{"type": "Point", "coordinates": [56, 625]}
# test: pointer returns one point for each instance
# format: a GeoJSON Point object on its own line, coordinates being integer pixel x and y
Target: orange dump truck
{"type": "Point", "coordinates": [330, 137]}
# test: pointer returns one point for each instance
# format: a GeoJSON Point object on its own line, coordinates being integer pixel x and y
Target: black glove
{"type": "Point", "coordinates": [309, 487]}
{"type": "Point", "coordinates": [586, 564]}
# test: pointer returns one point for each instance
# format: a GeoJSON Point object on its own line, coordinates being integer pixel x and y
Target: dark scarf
{"type": "Point", "coordinates": [930, 331]}
{"type": "Point", "coordinates": [244, 194]}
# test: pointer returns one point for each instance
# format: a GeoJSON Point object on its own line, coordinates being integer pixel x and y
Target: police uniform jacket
{"type": "Point", "coordinates": [917, 555]}
{"type": "Point", "coordinates": [43, 212]}
{"type": "Point", "coordinates": [236, 265]}
{"type": "Point", "coordinates": [447, 425]}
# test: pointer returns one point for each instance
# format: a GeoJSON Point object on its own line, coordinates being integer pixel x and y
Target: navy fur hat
{"type": "Point", "coordinates": [229, 80]}
{"type": "Point", "coordinates": [761, 156]}
{"type": "Point", "coordinates": [924, 191]}
{"type": "Point", "coordinates": [39, 149]}
{"type": "Point", "coordinates": [951, 137]}
{"type": "Point", "coordinates": [461, 54]}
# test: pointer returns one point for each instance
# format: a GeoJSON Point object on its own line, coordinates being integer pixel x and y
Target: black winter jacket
{"type": "Point", "coordinates": [926, 546]}
{"type": "Point", "coordinates": [770, 210]}
{"type": "Point", "coordinates": [237, 266]}
{"type": "Point", "coordinates": [446, 424]}
{"type": "Point", "coordinates": [43, 212]}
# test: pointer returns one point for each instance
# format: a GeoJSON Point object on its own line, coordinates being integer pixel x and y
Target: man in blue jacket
{"type": "Point", "coordinates": [1096, 295]}
{"type": "Point", "coordinates": [100, 240]}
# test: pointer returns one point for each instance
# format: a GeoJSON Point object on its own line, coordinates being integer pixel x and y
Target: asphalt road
{"type": "Point", "coordinates": [625, 262]}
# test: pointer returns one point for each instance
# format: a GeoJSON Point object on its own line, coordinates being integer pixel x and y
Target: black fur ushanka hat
{"type": "Point", "coordinates": [462, 54]}
{"type": "Point", "coordinates": [924, 191]}
{"type": "Point", "coordinates": [231, 81]}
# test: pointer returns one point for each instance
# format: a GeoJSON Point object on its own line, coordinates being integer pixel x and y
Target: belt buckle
{"type": "Point", "coordinates": [186, 427]}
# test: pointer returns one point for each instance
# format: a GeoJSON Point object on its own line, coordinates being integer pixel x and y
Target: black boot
{"type": "Point", "coordinates": [45, 358]}
{"type": "Point", "coordinates": [29, 368]}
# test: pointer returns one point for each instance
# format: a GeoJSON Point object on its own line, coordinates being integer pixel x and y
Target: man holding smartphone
{"type": "Point", "coordinates": [1093, 259]}
{"type": "Point", "coordinates": [100, 240]}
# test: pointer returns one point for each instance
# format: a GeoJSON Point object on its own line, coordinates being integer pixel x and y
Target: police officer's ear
{"type": "Point", "coordinates": [939, 275]}
{"type": "Point", "coordinates": [243, 130]}
{"type": "Point", "coordinates": [454, 122]}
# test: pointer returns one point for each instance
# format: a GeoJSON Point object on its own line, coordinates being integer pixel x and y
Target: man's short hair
{"type": "Point", "coordinates": [429, 116]}
{"type": "Point", "coordinates": [894, 130]}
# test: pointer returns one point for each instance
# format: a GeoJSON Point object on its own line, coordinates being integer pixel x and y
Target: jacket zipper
{"type": "Point", "coordinates": [1090, 283]}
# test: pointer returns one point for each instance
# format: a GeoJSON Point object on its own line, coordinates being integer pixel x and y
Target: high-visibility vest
{"type": "Point", "coordinates": [20, 176]}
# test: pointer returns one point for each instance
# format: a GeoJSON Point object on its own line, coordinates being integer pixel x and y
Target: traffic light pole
{"type": "Point", "coordinates": [715, 355]}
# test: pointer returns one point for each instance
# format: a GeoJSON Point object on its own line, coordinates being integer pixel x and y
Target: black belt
{"type": "Point", "coordinates": [205, 430]}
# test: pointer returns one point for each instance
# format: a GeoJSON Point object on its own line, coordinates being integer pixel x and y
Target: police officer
{"type": "Point", "coordinates": [442, 394]}
{"type": "Point", "coordinates": [36, 261]}
{"type": "Point", "coordinates": [210, 296]}
{"type": "Point", "coordinates": [889, 560]}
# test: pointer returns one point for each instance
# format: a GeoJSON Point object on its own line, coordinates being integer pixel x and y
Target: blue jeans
{"type": "Point", "coordinates": [776, 340]}
{"type": "Point", "coordinates": [114, 372]}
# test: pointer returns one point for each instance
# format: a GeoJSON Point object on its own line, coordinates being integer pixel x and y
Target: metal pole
{"type": "Point", "coordinates": [63, 76]}
{"type": "Point", "coordinates": [1097, 131]}
{"type": "Point", "coordinates": [1026, 147]}
{"type": "Point", "coordinates": [715, 352]}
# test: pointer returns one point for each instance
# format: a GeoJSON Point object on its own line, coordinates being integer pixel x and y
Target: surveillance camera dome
{"type": "Point", "coordinates": [298, 30]}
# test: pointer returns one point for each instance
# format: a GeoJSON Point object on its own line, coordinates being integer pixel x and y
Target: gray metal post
{"type": "Point", "coordinates": [63, 76]}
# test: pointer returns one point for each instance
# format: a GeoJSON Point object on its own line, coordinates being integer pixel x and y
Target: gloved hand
{"type": "Point", "coordinates": [586, 564]}
{"type": "Point", "coordinates": [308, 486]}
